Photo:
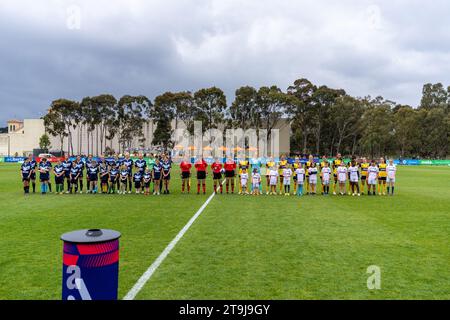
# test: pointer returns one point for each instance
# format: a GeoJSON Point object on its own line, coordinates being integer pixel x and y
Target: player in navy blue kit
{"type": "Point", "coordinates": [33, 165]}
{"type": "Point", "coordinates": [74, 177]}
{"type": "Point", "coordinates": [104, 177]}
{"type": "Point", "coordinates": [147, 179]}
{"type": "Point", "coordinates": [157, 170]}
{"type": "Point", "coordinates": [113, 179]}
{"type": "Point", "coordinates": [44, 174]}
{"type": "Point", "coordinates": [67, 165]}
{"type": "Point", "coordinates": [166, 168]}
{"type": "Point", "coordinates": [58, 170]}
{"type": "Point", "coordinates": [26, 171]}
{"type": "Point", "coordinates": [137, 178]}
{"type": "Point", "coordinates": [123, 176]}
{"type": "Point", "coordinates": [129, 163]}
{"type": "Point", "coordinates": [88, 164]}
{"type": "Point", "coordinates": [92, 172]}
{"type": "Point", "coordinates": [81, 166]}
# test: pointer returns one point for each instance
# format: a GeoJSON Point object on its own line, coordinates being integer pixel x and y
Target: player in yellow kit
{"type": "Point", "coordinates": [281, 166]}
{"type": "Point", "coordinates": [382, 177]}
{"type": "Point", "coordinates": [269, 165]}
{"type": "Point", "coordinates": [335, 165]}
{"type": "Point", "coordinates": [364, 173]}
{"type": "Point", "coordinates": [243, 165]}
{"type": "Point", "coordinates": [296, 165]}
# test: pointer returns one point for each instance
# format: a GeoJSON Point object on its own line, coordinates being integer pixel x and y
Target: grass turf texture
{"type": "Point", "coordinates": [241, 247]}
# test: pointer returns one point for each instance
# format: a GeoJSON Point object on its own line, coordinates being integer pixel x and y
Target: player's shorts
{"type": "Point", "coordinates": [335, 177]}
{"type": "Point", "coordinates": [326, 182]}
{"type": "Point", "coordinates": [295, 177]}
{"type": "Point", "coordinates": [300, 182]}
{"type": "Point", "coordinates": [67, 175]}
{"type": "Point", "coordinates": [255, 186]}
{"type": "Point", "coordinates": [354, 180]}
{"type": "Point", "coordinates": [185, 175]}
{"type": "Point", "coordinates": [59, 180]}
{"type": "Point", "coordinates": [25, 177]}
{"type": "Point", "coordinates": [147, 184]}
{"type": "Point", "coordinates": [217, 175]}
{"type": "Point", "coordinates": [33, 176]}
{"type": "Point", "coordinates": [137, 184]}
{"type": "Point", "coordinates": [342, 180]}
{"type": "Point", "coordinates": [364, 178]}
{"type": "Point", "coordinates": [130, 173]}
{"type": "Point", "coordinates": [313, 179]}
{"type": "Point", "coordinates": [201, 175]}
{"type": "Point", "coordinates": [230, 174]}
{"type": "Point", "coordinates": [73, 181]}
{"type": "Point", "coordinates": [157, 176]}
{"type": "Point", "coordinates": [244, 183]}
{"type": "Point", "coordinates": [287, 182]}
{"type": "Point", "coordinates": [104, 179]}
{"type": "Point", "coordinates": [112, 180]}
{"type": "Point", "coordinates": [93, 178]}
{"type": "Point", "coordinates": [166, 177]}
{"type": "Point", "coordinates": [273, 181]}
{"type": "Point", "coordinates": [382, 178]}
{"type": "Point", "coordinates": [44, 177]}
{"type": "Point", "coordinates": [390, 180]}
{"type": "Point", "coordinates": [372, 181]}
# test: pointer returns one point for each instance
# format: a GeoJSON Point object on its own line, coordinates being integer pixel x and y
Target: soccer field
{"type": "Point", "coordinates": [241, 247]}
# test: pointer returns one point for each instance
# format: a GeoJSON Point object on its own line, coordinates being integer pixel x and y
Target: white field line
{"type": "Point", "coordinates": [151, 270]}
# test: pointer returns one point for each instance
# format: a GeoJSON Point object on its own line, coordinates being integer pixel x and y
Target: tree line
{"type": "Point", "coordinates": [324, 121]}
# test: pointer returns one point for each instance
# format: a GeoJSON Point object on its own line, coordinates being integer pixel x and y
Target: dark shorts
{"type": "Point", "coordinates": [382, 178]}
{"type": "Point", "coordinates": [33, 176]}
{"type": "Point", "coordinates": [137, 184]}
{"type": "Point", "coordinates": [230, 174]}
{"type": "Point", "coordinates": [104, 180]}
{"type": "Point", "coordinates": [44, 177]}
{"type": "Point", "coordinates": [59, 180]}
{"type": "Point", "coordinates": [185, 175]}
{"type": "Point", "coordinates": [112, 180]}
{"type": "Point", "coordinates": [73, 181]}
{"type": "Point", "coordinates": [147, 184]}
{"type": "Point", "coordinates": [157, 177]}
{"type": "Point", "coordinates": [167, 177]}
{"type": "Point", "coordinates": [295, 177]}
{"type": "Point", "coordinates": [363, 177]}
{"type": "Point", "coordinates": [93, 178]}
{"type": "Point", "coordinates": [217, 176]}
{"type": "Point", "coordinates": [25, 178]}
{"type": "Point", "coordinates": [201, 175]}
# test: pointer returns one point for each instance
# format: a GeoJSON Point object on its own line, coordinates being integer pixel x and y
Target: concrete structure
{"type": "Point", "coordinates": [24, 136]}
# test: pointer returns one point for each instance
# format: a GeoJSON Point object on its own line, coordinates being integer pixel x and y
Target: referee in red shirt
{"type": "Point", "coordinates": [185, 167]}
{"type": "Point", "coordinates": [201, 167]}
{"type": "Point", "coordinates": [230, 173]}
{"type": "Point", "coordinates": [217, 175]}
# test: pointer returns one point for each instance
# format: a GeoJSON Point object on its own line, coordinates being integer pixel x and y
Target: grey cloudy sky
{"type": "Point", "coordinates": [57, 48]}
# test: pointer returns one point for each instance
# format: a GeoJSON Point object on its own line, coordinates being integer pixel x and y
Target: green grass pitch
{"type": "Point", "coordinates": [241, 247]}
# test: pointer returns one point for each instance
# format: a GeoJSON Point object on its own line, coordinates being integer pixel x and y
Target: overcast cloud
{"type": "Point", "coordinates": [48, 51]}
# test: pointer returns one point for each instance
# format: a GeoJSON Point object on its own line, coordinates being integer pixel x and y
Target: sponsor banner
{"type": "Point", "coordinates": [14, 159]}
{"type": "Point", "coordinates": [407, 162]}
{"type": "Point", "coordinates": [435, 162]}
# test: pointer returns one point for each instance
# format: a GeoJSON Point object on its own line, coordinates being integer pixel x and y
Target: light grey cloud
{"type": "Point", "coordinates": [147, 47]}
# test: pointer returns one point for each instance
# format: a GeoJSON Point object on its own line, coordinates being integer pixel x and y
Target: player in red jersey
{"type": "Point", "coordinates": [217, 175]}
{"type": "Point", "coordinates": [185, 167]}
{"type": "Point", "coordinates": [201, 167]}
{"type": "Point", "coordinates": [230, 173]}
